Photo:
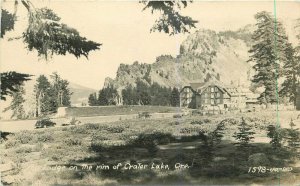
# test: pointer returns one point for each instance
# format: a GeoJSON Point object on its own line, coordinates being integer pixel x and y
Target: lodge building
{"type": "Point", "coordinates": [215, 96]}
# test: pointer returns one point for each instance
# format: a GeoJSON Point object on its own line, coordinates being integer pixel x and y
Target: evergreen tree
{"type": "Point", "coordinates": [275, 135]}
{"type": "Point", "coordinates": [129, 96]}
{"type": "Point", "coordinates": [7, 22]}
{"type": "Point", "coordinates": [218, 133]}
{"type": "Point", "coordinates": [206, 149]}
{"type": "Point", "coordinates": [61, 91]}
{"type": "Point", "coordinates": [291, 74]}
{"type": "Point", "coordinates": [268, 52]}
{"type": "Point", "coordinates": [45, 99]}
{"type": "Point", "coordinates": [108, 96]}
{"type": "Point", "coordinates": [16, 104]}
{"type": "Point", "coordinates": [210, 144]}
{"type": "Point", "coordinates": [9, 82]}
{"type": "Point", "coordinates": [93, 101]}
{"type": "Point", "coordinates": [175, 97]}
{"type": "Point", "coordinates": [46, 34]}
{"type": "Point", "coordinates": [293, 139]}
{"type": "Point", "coordinates": [143, 93]}
{"type": "Point", "coordinates": [243, 137]}
{"type": "Point", "coordinates": [170, 21]}
{"type": "Point", "coordinates": [102, 99]}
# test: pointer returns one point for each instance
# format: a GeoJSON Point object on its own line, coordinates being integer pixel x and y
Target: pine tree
{"type": "Point", "coordinates": [206, 149]}
{"type": "Point", "coordinates": [170, 21]}
{"type": "Point", "coordinates": [291, 74]}
{"type": "Point", "coordinates": [275, 135]}
{"type": "Point", "coordinates": [17, 102]}
{"type": "Point", "coordinates": [61, 91]}
{"type": "Point", "coordinates": [143, 93]}
{"type": "Point", "coordinates": [11, 80]}
{"type": "Point", "coordinates": [108, 96]}
{"type": "Point", "coordinates": [243, 137]}
{"type": "Point", "coordinates": [45, 99]}
{"type": "Point", "coordinates": [102, 99]}
{"type": "Point", "coordinates": [293, 139]}
{"type": "Point", "coordinates": [93, 101]}
{"type": "Point", "coordinates": [175, 97]}
{"type": "Point", "coordinates": [268, 52]}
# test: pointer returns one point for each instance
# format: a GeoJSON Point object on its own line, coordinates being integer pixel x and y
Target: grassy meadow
{"type": "Point", "coordinates": [50, 156]}
{"type": "Point", "coordinates": [117, 110]}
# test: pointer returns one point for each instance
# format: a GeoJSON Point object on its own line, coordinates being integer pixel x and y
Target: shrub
{"type": "Point", "coordinates": [72, 141]}
{"type": "Point", "coordinates": [92, 126]}
{"type": "Point", "coordinates": [24, 150]}
{"type": "Point", "coordinates": [24, 137]}
{"type": "Point", "coordinates": [197, 122]}
{"type": "Point", "coordinates": [177, 116]}
{"type": "Point", "coordinates": [45, 137]}
{"type": "Point", "coordinates": [115, 129]}
{"type": "Point", "coordinates": [11, 143]}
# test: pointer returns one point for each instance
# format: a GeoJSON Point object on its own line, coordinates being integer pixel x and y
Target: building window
{"type": "Point", "coordinates": [212, 101]}
{"type": "Point", "coordinates": [212, 96]}
{"type": "Point", "coordinates": [218, 94]}
{"type": "Point", "coordinates": [218, 101]}
{"type": "Point", "coordinates": [212, 89]}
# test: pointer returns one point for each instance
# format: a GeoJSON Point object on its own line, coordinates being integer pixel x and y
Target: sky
{"type": "Point", "coordinates": [124, 30]}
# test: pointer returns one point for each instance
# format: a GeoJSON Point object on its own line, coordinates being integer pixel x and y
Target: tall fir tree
{"type": "Point", "coordinates": [129, 96]}
{"type": "Point", "coordinates": [93, 101]}
{"type": "Point", "coordinates": [143, 93]}
{"type": "Point", "coordinates": [268, 53]}
{"type": "Point", "coordinates": [44, 96]}
{"type": "Point", "coordinates": [293, 139]}
{"type": "Point", "coordinates": [276, 137]}
{"type": "Point", "coordinates": [108, 96]}
{"type": "Point", "coordinates": [175, 97]}
{"type": "Point", "coordinates": [291, 75]}
{"type": "Point", "coordinates": [61, 91]}
{"type": "Point", "coordinates": [17, 102]}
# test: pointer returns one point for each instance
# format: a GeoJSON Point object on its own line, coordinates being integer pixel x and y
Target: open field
{"type": "Point", "coordinates": [117, 110]}
{"type": "Point", "coordinates": [49, 156]}
{"type": "Point", "coordinates": [19, 125]}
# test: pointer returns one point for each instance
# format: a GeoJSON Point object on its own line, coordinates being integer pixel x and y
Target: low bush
{"type": "Point", "coordinates": [23, 150]}
{"type": "Point", "coordinates": [177, 116]}
{"type": "Point", "coordinates": [45, 137]}
{"type": "Point", "coordinates": [115, 129]}
{"type": "Point", "coordinates": [11, 143]}
{"type": "Point", "coordinates": [24, 137]}
{"type": "Point", "coordinates": [197, 122]}
{"type": "Point", "coordinates": [73, 141]}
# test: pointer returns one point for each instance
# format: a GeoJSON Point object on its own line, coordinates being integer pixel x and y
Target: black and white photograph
{"type": "Point", "coordinates": [139, 92]}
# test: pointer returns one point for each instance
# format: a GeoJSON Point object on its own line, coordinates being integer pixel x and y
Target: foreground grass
{"type": "Point", "coordinates": [29, 155]}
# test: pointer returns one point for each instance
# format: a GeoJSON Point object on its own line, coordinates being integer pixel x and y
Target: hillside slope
{"type": "Point", "coordinates": [203, 55]}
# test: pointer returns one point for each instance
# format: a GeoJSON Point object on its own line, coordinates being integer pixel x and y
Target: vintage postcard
{"type": "Point", "coordinates": [145, 92]}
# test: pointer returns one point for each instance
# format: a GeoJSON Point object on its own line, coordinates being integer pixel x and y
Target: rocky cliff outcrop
{"type": "Point", "coordinates": [203, 55]}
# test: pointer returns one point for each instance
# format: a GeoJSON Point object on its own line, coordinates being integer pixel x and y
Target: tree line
{"type": "Point", "coordinates": [140, 94]}
{"type": "Point", "coordinates": [48, 96]}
